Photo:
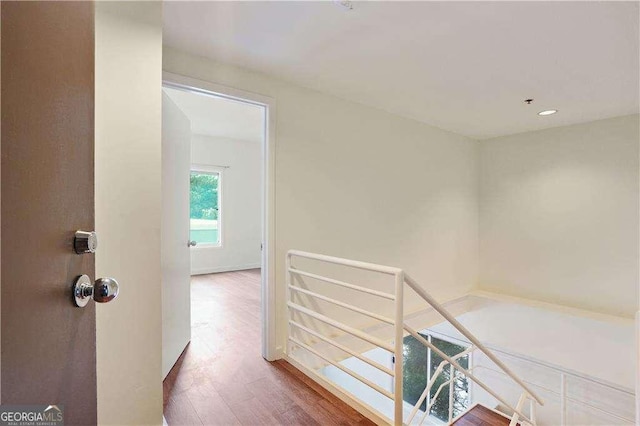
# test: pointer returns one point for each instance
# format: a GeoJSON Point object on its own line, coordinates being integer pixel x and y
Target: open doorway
{"type": "Point", "coordinates": [216, 236]}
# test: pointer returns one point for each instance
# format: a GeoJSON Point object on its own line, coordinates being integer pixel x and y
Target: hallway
{"type": "Point", "coordinates": [222, 379]}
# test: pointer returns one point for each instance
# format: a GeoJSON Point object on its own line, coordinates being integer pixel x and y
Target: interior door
{"type": "Point", "coordinates": [176, 262]}
{"type": "Point", "coordinates": [48, 344]}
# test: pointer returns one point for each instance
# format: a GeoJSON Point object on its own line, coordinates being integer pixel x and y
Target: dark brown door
{"type": "Point", "coordinates": [48, 344]}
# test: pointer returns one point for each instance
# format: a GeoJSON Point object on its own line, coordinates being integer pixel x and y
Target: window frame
{"type": "Point", "coordinates": [209, 169]}
{"type": "Point", "coordinates": [460, 342]}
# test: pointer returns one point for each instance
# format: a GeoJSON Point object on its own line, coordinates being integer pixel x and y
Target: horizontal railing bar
{"type": "Point", "coordinates": [462, 329]}
{"type": "Point", "coordinates": [434, 377]}
{"type": "Point", "coordinates": [343, 348]}
{"type": "Point", "coordinates": [343, 368]}
{"type": "Point", "coordinates": [342, 304]}
{"type": "Point", "coordinates": [343, 284]}
{"type": "Point", "coordinates": [341, 326]}
{"type": "Point", "coordinates": [460, 368]}
{"type": "Point", "coordinates": [546, 389]}
{"type": "Point", "coordinates": [390, 270]}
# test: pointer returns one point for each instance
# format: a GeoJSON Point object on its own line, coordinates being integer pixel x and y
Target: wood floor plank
{"type": "Point", "coordinates": [210, 406]}
{"type": "Point", "coordinates": [222, 379]}
{"type": "Point", "coordinates": [296, 416]}
{"type": "Point", "coordinates": [179, 411]}
{"type": "Point", "coordinates": [324, 416]}
{"type": "Point", "coordinates": [480, 415]}
{"type": "Point", "coordinates": [234, 392]}
{"type": "Point", "coordinates": [338, 407]}
{"type": "Point", "coordinates": [272, 395]}
{"type": "Point", "coordinates": [253, 412]}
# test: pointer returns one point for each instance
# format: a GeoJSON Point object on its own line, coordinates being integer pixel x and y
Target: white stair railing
{"type": "Point", "coordinates": [400, 278]}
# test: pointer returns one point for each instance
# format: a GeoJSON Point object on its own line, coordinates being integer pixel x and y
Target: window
{"type": "Point", "coordinates": [420, 363]}
{"type": "Point", "coordinates": [205, 218]}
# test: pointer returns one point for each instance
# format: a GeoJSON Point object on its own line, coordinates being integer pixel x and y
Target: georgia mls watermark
{"type": "Point", "coordinates": [31, 415]}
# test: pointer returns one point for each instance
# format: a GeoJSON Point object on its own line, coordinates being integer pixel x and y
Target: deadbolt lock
{"type": "Point", "coordinates": [85, 242]}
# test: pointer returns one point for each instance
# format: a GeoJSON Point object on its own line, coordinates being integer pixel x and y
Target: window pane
{"type": "Point", "coordinates": [204, 216]}
{"type": "Point", "coordinates": [416, 373]}
{"type": "Point", "coordinates": [414, 370]}
{"type": "Point", "coordinates": [440, 407]}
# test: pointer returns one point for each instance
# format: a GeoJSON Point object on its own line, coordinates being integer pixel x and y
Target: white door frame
{"type": "Point", "coordinates": [268, 298]}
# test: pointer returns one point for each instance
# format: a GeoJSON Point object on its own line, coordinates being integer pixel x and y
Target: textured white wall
{"type": "Point", "coordinates": [559, 215]}
{"type": "Point", "coordinates": [361, 183]}
{"type": "Point", "coordinates": [128, 207]}
{"type": "Point", "coordinates": [242, 195]}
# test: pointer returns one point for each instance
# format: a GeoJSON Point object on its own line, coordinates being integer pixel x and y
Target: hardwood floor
{"type": "Point", "coordinates": [481, 416]}
{"type": "Point", "coordinates": [221, 377]}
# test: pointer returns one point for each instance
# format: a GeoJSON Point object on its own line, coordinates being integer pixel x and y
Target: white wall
{"type": "Point", "coordinates": [128, 206]}
{"type": "Point", "coordinates": [559, 215]}
{"type": "Point", "coordinates": [361, 183]}
{"type": "Point", "coordinates": [241, 204]}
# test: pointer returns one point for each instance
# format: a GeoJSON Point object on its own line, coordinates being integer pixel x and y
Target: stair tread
{"type": "Point", "coordinates": [480, 415]}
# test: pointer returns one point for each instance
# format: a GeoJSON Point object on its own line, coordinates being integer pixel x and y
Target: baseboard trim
{"type": "Point", "coordinates": [203, 271]}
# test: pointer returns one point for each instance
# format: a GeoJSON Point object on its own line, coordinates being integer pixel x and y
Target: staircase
{"type": "Point", "coordinates": [318, 335]}
{"type": "Point", "coordinates": [480, 415]}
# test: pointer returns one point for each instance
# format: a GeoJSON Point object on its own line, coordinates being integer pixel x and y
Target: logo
{"type": "Point", "coordinates": [31, 415]}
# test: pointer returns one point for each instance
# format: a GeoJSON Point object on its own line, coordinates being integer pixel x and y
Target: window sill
{"type": "Point", "coordinates": [207, 246]}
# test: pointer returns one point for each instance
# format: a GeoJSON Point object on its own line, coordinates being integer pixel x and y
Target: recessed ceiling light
{"type": "Point", "coordinates": [345, 4]}
{"type": "Point", "coordinates": [548, 112]}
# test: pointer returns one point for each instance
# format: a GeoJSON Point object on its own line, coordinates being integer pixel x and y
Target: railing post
{"type": "Point", "coordinates": [428, 399]}
{"type": "Point", "coordinates": [532, 411]}
{"type": "Point", "coordinates": [399, 331]}
{"type": "Point", "coordinates": [288, 278]}
{"type": "Point", "coordinates": [451, 387]}
{"type": "Point", "coordinates": [563, 400]}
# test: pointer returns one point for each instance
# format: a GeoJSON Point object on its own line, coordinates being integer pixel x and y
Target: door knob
{"type": "Point", "coordinates": [102, 290]}
{"type": "Point", "coordinates": [192, 243]}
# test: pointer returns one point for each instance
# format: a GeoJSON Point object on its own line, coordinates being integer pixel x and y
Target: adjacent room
{"type": "Point", "coordinates": [213, 169]}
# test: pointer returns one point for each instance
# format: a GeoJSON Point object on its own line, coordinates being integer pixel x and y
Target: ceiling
{"type": "Point", "coordinates": [462, 66]}
{"type": "Point", "coordinates": [219, 117]}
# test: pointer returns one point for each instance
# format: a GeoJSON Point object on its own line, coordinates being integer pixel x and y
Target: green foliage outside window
{"type": "Point", "coordinates": [204, 196]}
{"type": "Point", "coordinates": [416, 374]}
{"type": "Point", "coordinates": [415, 370]}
